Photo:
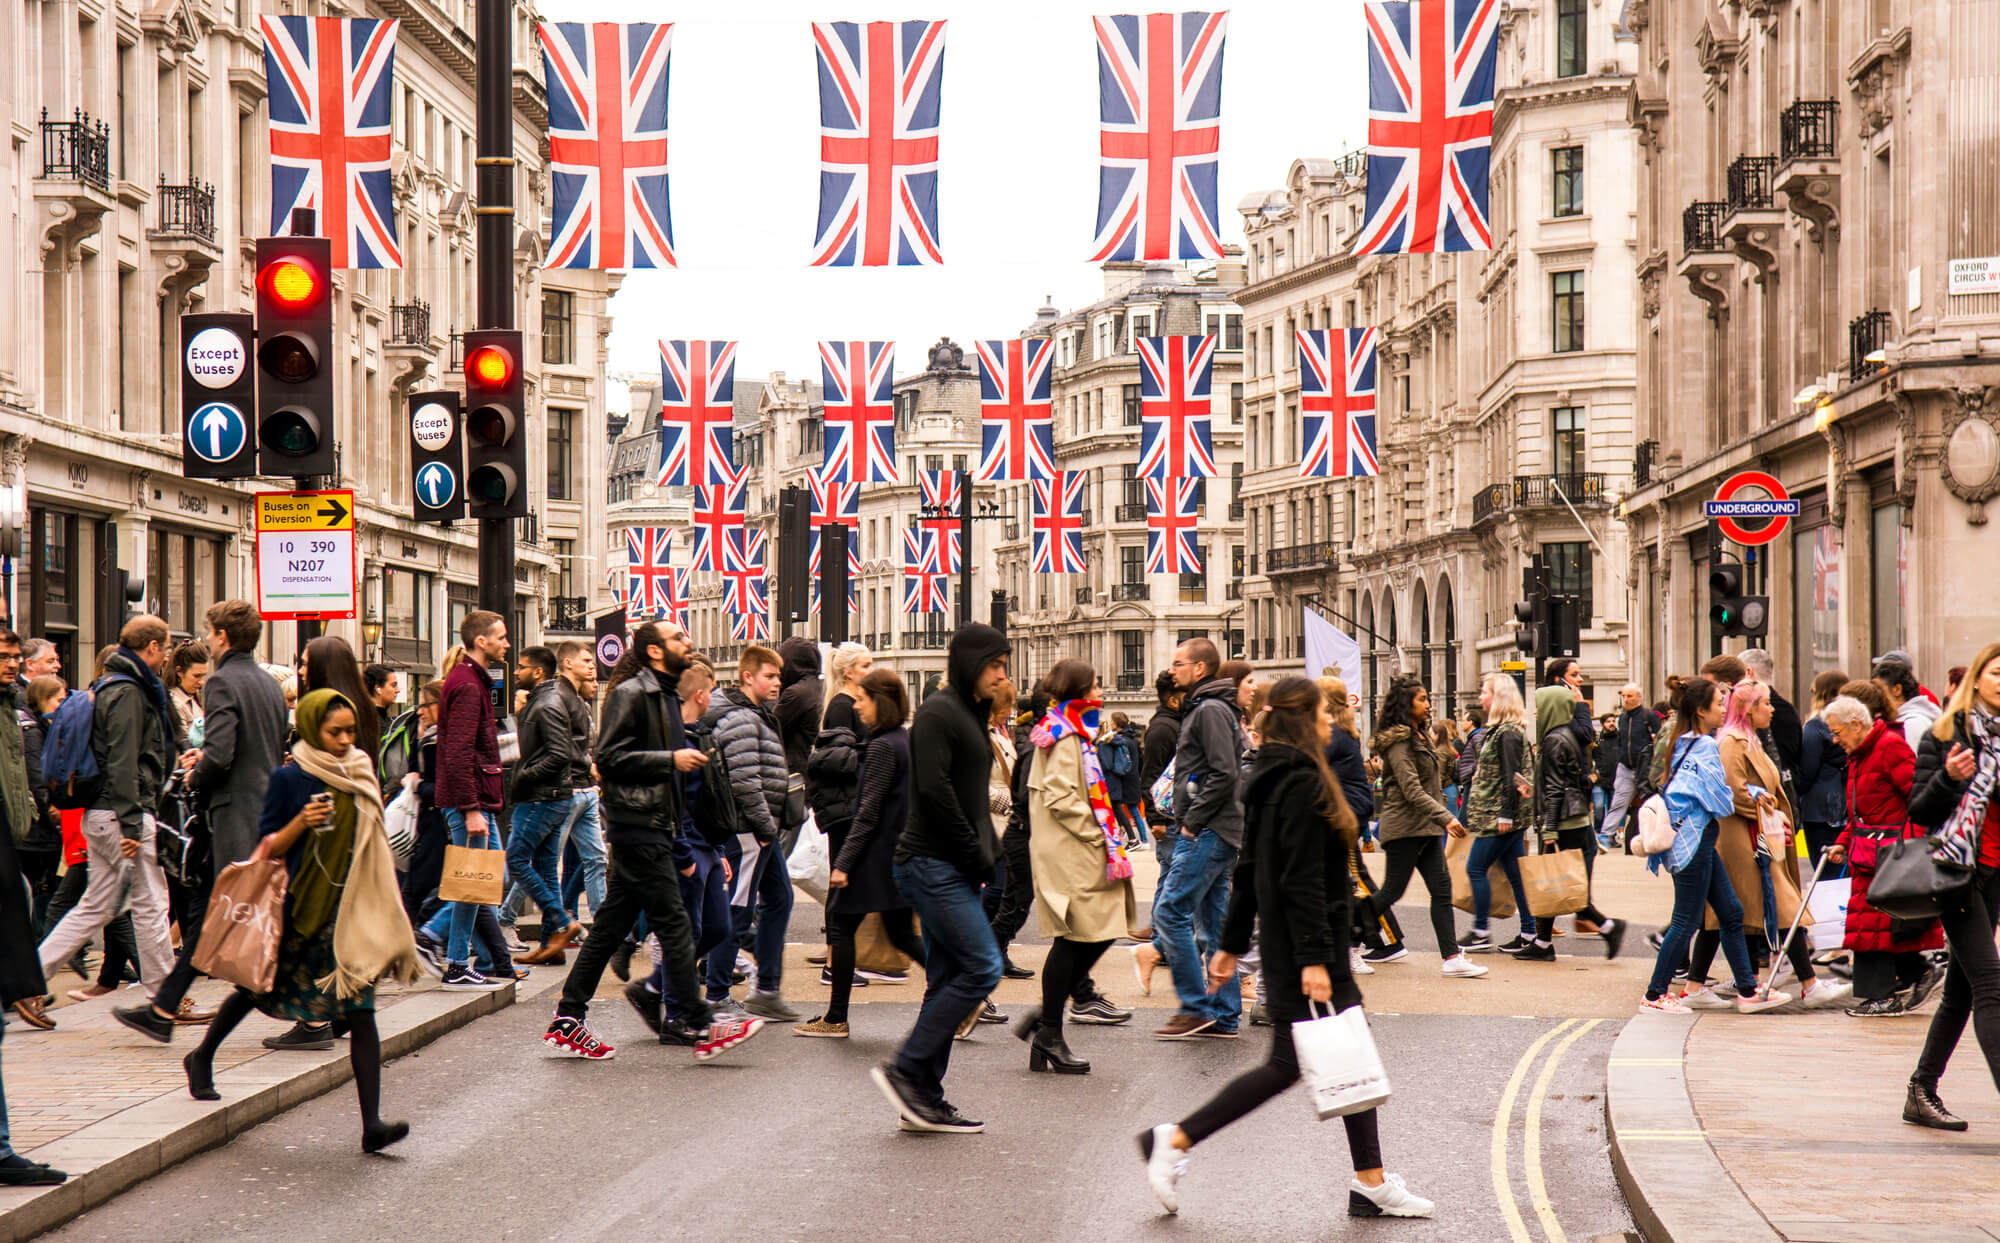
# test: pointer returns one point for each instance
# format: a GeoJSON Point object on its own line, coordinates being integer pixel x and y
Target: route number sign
{"type": "Point", "coordinates": [305, 555]}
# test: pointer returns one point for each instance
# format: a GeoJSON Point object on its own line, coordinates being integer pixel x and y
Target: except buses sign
{"type": "Point", "coordinates": [1775, 506]}
{"type": "Point", "coordinates": [305, 555]}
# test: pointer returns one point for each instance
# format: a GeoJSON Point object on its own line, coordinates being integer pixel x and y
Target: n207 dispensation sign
{"type": "Point", "coordinates": [305, 555]}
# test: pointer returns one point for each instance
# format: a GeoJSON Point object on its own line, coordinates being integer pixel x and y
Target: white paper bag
{"type": "Point", "coordinates": [1828, 904]}
{"type": "Point", "coordinates": [1337, 1059]}
{"type": "Point", "coordinates": [399, 821]}
{"type": "Point", "coordinates": [809, 863]}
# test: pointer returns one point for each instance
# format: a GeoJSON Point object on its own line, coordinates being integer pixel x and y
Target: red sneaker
{"type": "Point", "coordinates": [723, 1035]}
{"type": "Point", "coordinates": [571, 1038]}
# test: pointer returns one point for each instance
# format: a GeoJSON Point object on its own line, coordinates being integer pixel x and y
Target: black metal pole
{"type": "Point", "coordinates": [495, 212]}
{"type": "Point", "coordinates": [964, 547]}
{"type": "Point", "coordinates": [305, 223]}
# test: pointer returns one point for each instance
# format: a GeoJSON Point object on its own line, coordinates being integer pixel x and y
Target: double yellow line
{"type": "Point", "coordinates": [1531, 1139]}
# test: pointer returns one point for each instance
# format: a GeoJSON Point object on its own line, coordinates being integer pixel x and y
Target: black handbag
{"type": "Point", "coordinates": [1909, 884]}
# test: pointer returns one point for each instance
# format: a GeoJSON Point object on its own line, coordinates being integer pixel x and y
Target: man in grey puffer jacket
{"type": "Point", "coordinates": [1207, 777]}
{"type": "Point", "coordinates": [754, 749]}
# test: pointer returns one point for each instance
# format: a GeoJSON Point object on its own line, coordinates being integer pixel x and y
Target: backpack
{"type": "Point", "coordinates": [1121, 755]}
{"type": "Point", "coordinates": [715, 813]}
{"type": "Point", "coordinates": [399, 751]}
{"type": "Point", "coordinates": [69, 762]}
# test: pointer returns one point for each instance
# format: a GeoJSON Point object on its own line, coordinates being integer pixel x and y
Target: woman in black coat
{"type": "Point", "coordinates": [1291, 880]}
{"type": "Point", "coordinates": [862, 882]}
{"type": "Point", "coordinates": [1382, 935]}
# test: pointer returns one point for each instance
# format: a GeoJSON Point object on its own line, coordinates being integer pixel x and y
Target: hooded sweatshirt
{"type": "Point", "coordinates": [951, 761]}
{"type": "Point", "coordinates": [1562, 786]}
{"type": "Point", "coordinates": [1208, 764]}
{"type": "Point", "coordinates": [799, 694]}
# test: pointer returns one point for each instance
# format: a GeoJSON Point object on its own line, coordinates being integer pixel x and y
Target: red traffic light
{"type": "Point", "coordinates": [489, 366]}
{"type": "Point", "coordinates": [291, 282]}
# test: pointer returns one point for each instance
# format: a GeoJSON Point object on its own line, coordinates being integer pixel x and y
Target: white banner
{"type": "Point", "coordinates": [1330, 653]}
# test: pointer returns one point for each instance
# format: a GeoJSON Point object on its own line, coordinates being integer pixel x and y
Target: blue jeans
{"type": "Point", "coordinates": [1192, 902]}
{"type": "Point", "coordinates": [1600, 802]}
{"type": "Point", "coordinates": [532, 850]}
{"type": "Point", "coordinates": [961, 966]}
{"type": "Point", "coordinates": [458, 943]}
{"type": "Point", "coordinates": [705, 895]}
{"type": "Point", "coordinates": [1164, 849]}
{"type": "Point", "coordinates": [1506, 850]}
{"type": "Point", "coordinates": [769, 903]}
{"type": "Point", "coordinates": [1704, 882]}
{"type": "Point", "coordinates": [585, 876]}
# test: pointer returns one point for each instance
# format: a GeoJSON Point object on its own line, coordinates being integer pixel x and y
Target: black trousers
{"type": "Point", "coordinates": [1381, 931]}
{"type": "Point", "coordinates": [642, 878]}
{"type": "Point", "coordinates": [1007, 903]}
{"type": "Point", "coordinates": [1423, 856]}
{"type": "Point", "coordinates": [1065, 972]}
{"type": "Point", "coordinates": [1586, 841]}
{"type": "Point", "coordinates": [1971, 983]}
{"type": "Point", "coordinates": [426, 867]}
{"type": "Point", "coordinates": [901, 929]}
{"type": "Point", "coordinates": [1883, 973]}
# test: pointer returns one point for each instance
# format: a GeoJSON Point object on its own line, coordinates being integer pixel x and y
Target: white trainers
{"type": "Point", "coordinates": [1358, 965]}
{"type": "Point", "coordinates": [1826, 993]}
{"type": "Point", "coordinates": [1757, 1003]}
{"type": "Point", "coordinates": [1391, 1199]}
{"type": "Point", "coordinates": [1165, 1164]}
{"type": "Point", "coordinates": [1705, 999]}
{"type": "Point", "coordinates": [1460, 967]}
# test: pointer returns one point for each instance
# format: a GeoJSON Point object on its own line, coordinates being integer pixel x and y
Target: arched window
{"type": "Point", "coordinates": [1367, 637]}
{"type": "Point", "coordinates": [1450, 652]}
{"type": "Point", "coordinates": [1421, 614]}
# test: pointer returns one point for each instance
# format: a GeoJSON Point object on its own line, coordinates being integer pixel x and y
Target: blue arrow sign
{"type": "Point", "coordinates": [437, 484]}
{"type": "Point", "coordinates": [216, 432]}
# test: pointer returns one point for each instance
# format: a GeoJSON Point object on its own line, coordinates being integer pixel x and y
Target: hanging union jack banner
{"type": "Point", "coordinates": [1337, 398]}
{"type": "Point", "coordinates": [1430, 125]}
{"type": "Point", "coordinates": [1017, 421]}
{"type": "Point", "coordinates": [833, 501]}
{"type": "Point", "coordinates": [1159, 82]}
{"type": "Point", "coordinates": [926, 583]}
{"type": "Point", "coordinates": [860, 413]}
{"type": "Point", "coordinates": [749, 627]}
{"type": "Point", "coordinates": [717, 512]}
{"type": "Point", "coordinates": [648, 572]}
{"type": "Point", "coordinates": [1174, 437]}
{"type": "Point", "coordinates": [942, 496]}
{"type": "Point", "coordinates": [1172, 508]}
{"type": "Point", "coordinates": [607, 86]}
{"type": "Point", "coordinates": [879, 88]}
{"type": "Point", "coordinates": [1055, 544]}
{"type": "Point", "coordinates": [745, 593]}
{"type": "Point", "coordinates": [332, 85]}
{"type": "Point", "coordinates": [697, 413]}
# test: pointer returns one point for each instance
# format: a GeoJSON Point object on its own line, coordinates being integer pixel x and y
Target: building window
{"type": "Point", "coordinates": [1134, 488]}
{"type": "Point", "coordinates": [558, 327]}
{"type": "Point", "coordinates": [1816, 601]}
{"type": "Point", "coordinates": [1226, 327]}
{"type": "Point", "coordinates": [1142, 326]}
{"type": "Point", "coordinates": [1572, 39]}
{"type": "Point", "coordinates": [1132, 652]}
{"type": "Point", "coordinates": [1131, 396]}
{"type": "Point", "coordinates": [406, 610]}
{"type": "Point", "coordinates": [1889, 557]}
{"type": "Point", "coordinates": [1568, 180]}
{"type": "Point", "coordinates": [1566, 294]}
{"type": "Point", "coordinates": [933, 461]}
{"type": "Point", "coordinates": [1569, 575]}
{"type": "Point", "coordinates": [562, 432]}
{"type": "Point", "coordinates": [1236, 405]}
{"type": "Point", "coordinates": [565, 554]}
{"type": "Point", "coordinates": [1194, 587]}
{"type": "Point", "coordinates": [1569, 445]}
{"type": "Point", "coordinates": [1131, 564]}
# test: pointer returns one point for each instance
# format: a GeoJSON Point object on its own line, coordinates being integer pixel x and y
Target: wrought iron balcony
{"type": "Point", "coordinates": [1013, 530]}
{"type": "Point", "coordinates": [1300, 557]}
{"type": "Point", "coordinates": [76, 150]}
{"type": "Point", "coordinates": [924, 640]}
{"type": "Point", "coordinates": [1750, 183]}
{"type": "Point", "coordinates": [1865, 335]}
{"type": "Point", "coordinates": [1131, 679]}
{"type": "Point", "coordinates": [457, 340]}
{"type": "Point", "coordinates": [1491, 500]}
{"type": "Point", "coordinates": [1809, 129]}
{"type": "Point", "coordinates": [1701, 227]}
{"type": "Point", "coordinates": [1130, 513]}
{"type": "Point", "coordinates": [188, 211]}
{"type": "Point", "coordinates": [1549, 491]}
{"type": "Point", "coordinates": [1642, 462]}
{"type": "Point", "coordinates": [1083, 595]}
{"type": "Point", "coordinates": [1236, 511]}
{"type": "Point", "coordinates": [1132, 591]}
{"type": "Point", "coordinates": [569, 614]}
{"type": "Point", "coordinates": [410, 323]}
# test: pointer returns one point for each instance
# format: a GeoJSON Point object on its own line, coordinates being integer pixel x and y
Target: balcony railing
{"type": "Point", "coordinates": [1130, 513]}
{"type": "Point", "coordinates": [1083, 595]}
{"type": "Point", "coordinates": [457, 340]}
{"type": "Point", "coordinates": [1131, 679]}
{"type": "Point", "coordinates": [1701, 227]}
{"type": "Point", "coordinates": [1865, 335]}
{"type": "Point", "coordinates": [410, 323]}
{"type": "Point", "coordinates": [569, 614]}
{"type": "Point", "coordinates": [1236, 511]}
{"type": "Point", "coordinates": [1494, 498]}
{"type": "Point", "coordinates": [1549, 491]}
{"type": "Point", "coordinates": [1233, 589]}
{"type": "Point", "coordinates": [188, 211]}
{"type": "Point", "coordinates": [1302, 557]}
{"type": "Point", "coordinates": [1750, 183]}
{"type": "Point", "coordinates": [1809, 130]}
{"type": "Point", "coordinates": [1013, 530]}
{"type": "Point", "coordinates": [1132, 591]}
{"type": "Point", "coordinates": [924, 640]}
{"type": "Point", "coordinates": [76, 150]}
{"type": "Point", "coordinates": [1642, 462]}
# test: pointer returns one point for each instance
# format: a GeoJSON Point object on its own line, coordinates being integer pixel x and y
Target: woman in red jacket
{"type": "Point", "coordinates": [1887, 958]}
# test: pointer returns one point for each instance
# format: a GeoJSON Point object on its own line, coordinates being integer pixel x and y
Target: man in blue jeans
{"type": "Point", "coordinates": [468, 778]}
{"type": "Point", "coordinates": [947, 850]}
{"type": "Point", "coordinates": [1195, 894]}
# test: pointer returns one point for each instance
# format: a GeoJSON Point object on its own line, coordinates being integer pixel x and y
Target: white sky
{"type": "Point", "coordinates": [1018, 178]}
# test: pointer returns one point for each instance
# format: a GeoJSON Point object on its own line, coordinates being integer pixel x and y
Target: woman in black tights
{"type": "Point", "coordinates": [1083, 878]}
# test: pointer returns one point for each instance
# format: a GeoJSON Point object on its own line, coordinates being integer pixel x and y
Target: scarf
{"type": "Point", "coordinates": [1078, 717]}
{"type": "Point", "coordinates": [1958, 841]}
{"type": "Point", "coordinates": [156, 693]}
{"type": "Point", "coordinates": [371, 932]}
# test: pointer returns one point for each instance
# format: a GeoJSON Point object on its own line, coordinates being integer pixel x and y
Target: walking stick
{"type": "Point", "coordinates": [1779, 959]}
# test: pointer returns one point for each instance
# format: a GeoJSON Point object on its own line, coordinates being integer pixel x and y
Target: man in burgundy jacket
{"type": "Point", "coordinates": [468, 774]}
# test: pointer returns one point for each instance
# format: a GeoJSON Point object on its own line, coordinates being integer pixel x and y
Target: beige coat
{"type": "Point", "coordinates": [1736, 840]}
{"type": "Point", "coordinates": [1066, 849]}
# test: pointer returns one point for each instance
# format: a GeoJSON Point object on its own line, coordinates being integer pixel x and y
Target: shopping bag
{"type": "Point", "coordinates": [399, 821]}
{"type": "Point", "coordinates": [1163, 790]}
{"type": "Point", "coordinates": [1828, 904]}
{"type": "Point", "coordinates": [1555, 883]}
{"type": "Point", "coordinates": [1337, 1059]}
{"type": "Point", "coordinates": [472, 875]}
{"type": "Point", "coordinates": [1455, 851]}
{"type": "Point", "coordinates": [245, 922]}
{"type": "Point", "coordinates": [809, 863]}
{"type": "Point", "coordinates": [873, 951]}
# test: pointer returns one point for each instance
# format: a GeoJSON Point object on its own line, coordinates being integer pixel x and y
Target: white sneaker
{"type": "Point", "coordinates": [1463, 968]}
{"type": "Point", "coordinates": [1391, 1199]}
{"type": "Point", "coordinates": [1165, 1164]}
{"type": "Point", "coordinates": [1358, 965]}
{"type": "Point", "coordinates": [1827, 993]}
{"type": "Point", "coordinates": [1705, 999]}
{"type": "Point", "coordinates": [1760, 1002]}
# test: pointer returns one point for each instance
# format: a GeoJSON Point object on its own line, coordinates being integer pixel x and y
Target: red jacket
{"type": "Point", "coordinates": [468, 749]}
{"type": "Point", "coordinates": [1878, 798]}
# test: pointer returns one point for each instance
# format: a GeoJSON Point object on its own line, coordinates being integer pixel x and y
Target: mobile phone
{"type": "Point", "coordinates": [325, 800]}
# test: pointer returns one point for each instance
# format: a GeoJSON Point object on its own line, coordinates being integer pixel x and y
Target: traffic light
{"type": "Point", "coordinates": [218, 394]}
{"type": "Point", "coordinates": [295, 420]}
{"type": "Point", "coordinates": [1531, 613]}
{"type": "Point", "coordinates": [496, 424]}
{"type": "Point", "coordinates": [437, 457]}
{"type": "Point", "coordinates": [1732, 614]}
{"type": "Point", "coordinates": [1526, 626]}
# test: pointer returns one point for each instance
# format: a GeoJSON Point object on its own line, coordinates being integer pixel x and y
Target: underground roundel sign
{"type": "Point", "coordinates": [1757, 498]}
{"type": "Point", "coordinates": [610, 649]}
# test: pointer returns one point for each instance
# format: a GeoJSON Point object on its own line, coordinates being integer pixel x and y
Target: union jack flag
{"type": "Point", "coordinates": [677, 595]}
{"type": "Point", "coordinates": [1172, 508]}
{"type": "Point", "coordinates": [1825, 570]}
{"type": "Point", "coordinates": [648, 572]}
{"type": "Point", "coordinates": [607, 86]}
{"type": "Point", "coordinates": [1017, 421]}
{"type": "Point", "coordinates": [697, 413]}
{"type": "Point", "coordinates": [860, 411]}
{"type": "Point", "coordinates": [717, 512]}
{"type": "Point", "coordinates": [745, 593]}
{"type": "Point", "coordinates": [1430, 125]}
{"type": "Point", "coordinates": [1055, 544]}
{"type": "Point", "coordinates": [926, 583]}
{"type": "Point", "coordinates": [879, 86]}
{"type": "Point", "coordinates": [942, 495]}
{"type": "Point", "coordinates": [1174, 439]}
{"type": "Point", "coordinates": [332, 85]}
{"type": "Point", "coordinates": [1159, 82]}
{"type": "Point", "coordinates": [749, 627]}
{"type": "Point", "coordinates": [1337, 398]}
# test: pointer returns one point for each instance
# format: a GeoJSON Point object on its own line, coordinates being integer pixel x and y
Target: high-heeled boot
{"type": "Point", "coordinates": [1049, 1051]}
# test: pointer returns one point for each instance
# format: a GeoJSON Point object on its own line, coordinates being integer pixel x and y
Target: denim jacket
{"type": "Point", "coordinates": [1697, 794]}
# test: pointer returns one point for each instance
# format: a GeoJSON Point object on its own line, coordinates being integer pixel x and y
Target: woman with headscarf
{"type": "Point", "coordinates": [344, 921]}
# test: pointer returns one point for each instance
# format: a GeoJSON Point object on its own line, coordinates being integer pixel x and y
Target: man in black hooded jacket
{"type": "Point", "coordinates": [946, 853]}
{"type": "Point", "coordinates": [798, 706]}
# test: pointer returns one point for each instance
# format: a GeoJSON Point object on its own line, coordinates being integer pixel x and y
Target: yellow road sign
{"type": "Point", "coordinates": [305, 511]}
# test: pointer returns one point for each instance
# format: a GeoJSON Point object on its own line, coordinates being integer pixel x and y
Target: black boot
{"type": "Point", "coordinates": [1923, 1108]}
{"type": "Point", "coordinates": [1029, 1023]}
{"type": "Point", "coordinates": [621, 958]}
{"type": "Point", "coordinates": [1049, 1051]}
{"type": "Point", "coordinates": [375, 1136]}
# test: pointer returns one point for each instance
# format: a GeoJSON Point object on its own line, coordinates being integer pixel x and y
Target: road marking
{"type": "Point", "coordinates": [1531, 1139]}
{"type": "Point", "coordinates": [1503, 1117]}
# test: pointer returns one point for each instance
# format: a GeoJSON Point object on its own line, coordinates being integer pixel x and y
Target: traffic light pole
{"type": "Point", "coordinates": [495, 213]}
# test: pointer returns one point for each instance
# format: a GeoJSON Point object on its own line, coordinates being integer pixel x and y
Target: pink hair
{"type": "Point", "coordinates": [1736, 718]}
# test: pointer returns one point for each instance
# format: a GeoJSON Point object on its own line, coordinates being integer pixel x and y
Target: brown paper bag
{"type": "Point", "coordinates": [245, 922]}
{"type": "Point", "coordinates": [472, 875]}
{"type": "Point", "coordinates": [1556, 883]}
{"type": "Point", "coordinates": [873, 951]}
{"type": "Point", "coordinates": [1456, 849]}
